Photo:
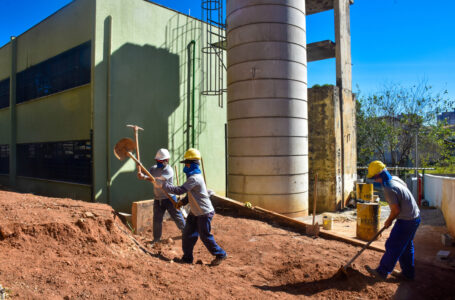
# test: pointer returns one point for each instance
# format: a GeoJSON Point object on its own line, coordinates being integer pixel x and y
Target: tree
{"type": "Point", "coordinates": [391, 121]}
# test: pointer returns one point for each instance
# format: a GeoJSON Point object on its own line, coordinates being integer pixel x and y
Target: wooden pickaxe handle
{"type": "Point", "coordinates": [136, 137]}
{"type": "Point", "coordinates": [139, 164]}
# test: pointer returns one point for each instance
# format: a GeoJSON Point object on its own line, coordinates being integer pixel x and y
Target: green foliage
{"type": "Point", "coordinates": [319, 86]}
{"type": "Point", "coordinates": [390, 122]}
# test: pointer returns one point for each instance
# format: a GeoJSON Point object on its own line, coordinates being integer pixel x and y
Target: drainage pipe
{"type": "Point", "coordinates": [191, 102]}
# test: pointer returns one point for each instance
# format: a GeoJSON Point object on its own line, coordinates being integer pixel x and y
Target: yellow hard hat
{"type": "Point", "coordinates": [374, 168]}
{"type": "Point", "coordinates": [192, 154]}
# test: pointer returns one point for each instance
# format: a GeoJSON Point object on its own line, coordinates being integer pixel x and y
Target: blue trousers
{"type": "Point", "coordinates": [199, 226]}
{"type": "Point", "coordinates": [400, 247]}
{"type": "Point", "coordinates": [159, 208]}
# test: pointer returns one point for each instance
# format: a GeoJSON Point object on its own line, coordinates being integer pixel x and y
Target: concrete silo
{"type": "Point", "coordinates": [267, 104]}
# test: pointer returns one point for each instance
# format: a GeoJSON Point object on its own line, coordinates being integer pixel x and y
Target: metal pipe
{"type": "Point", "coordinates": [107, 58]}
{"type": "Point", "coordinates": [193, 42]}
{"type": "Point", "coordinates": [191, 99]}
{"type": "Point", "coordinates": [13, 115]}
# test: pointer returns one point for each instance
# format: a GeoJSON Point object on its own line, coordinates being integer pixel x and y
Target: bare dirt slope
{"type": "Point", "coordinates": [61, 248]}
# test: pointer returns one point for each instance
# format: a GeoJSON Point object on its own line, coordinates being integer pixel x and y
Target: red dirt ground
{"type": "Point", "coordinates": [61, 248]}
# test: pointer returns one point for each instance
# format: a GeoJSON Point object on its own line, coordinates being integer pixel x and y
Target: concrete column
{"type": "Point", "coordinates": [13, 116]}
{"type": "Point", "coordinates": [347, 102]}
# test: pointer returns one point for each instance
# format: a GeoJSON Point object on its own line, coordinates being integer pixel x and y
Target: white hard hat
{"type": "Point", "coordinates": [162, 154]}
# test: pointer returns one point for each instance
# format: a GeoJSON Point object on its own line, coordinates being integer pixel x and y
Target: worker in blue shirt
{"type": "Point", "coordinates": [403, 207]}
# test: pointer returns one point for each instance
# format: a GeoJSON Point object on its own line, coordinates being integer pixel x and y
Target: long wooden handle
{"type": "Point", "coordinates": [137, 144]}
{"type": "Point", "coordinates": [136, 135]}
{"type": "Point", "coordinates": [364, 247]}
{"type": "Point", "coordinates": [148, 174]}
{"type": "Point", "coordinates": [176, 175]}
{"type": "Point", "coordinates": [315, 195]}
{"type": "Point", "coordinates": [203, 171]}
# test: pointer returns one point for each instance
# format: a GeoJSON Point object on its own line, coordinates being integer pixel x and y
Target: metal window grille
{"type": "Point", "coordinates": [65, 161]}
{"type": "Point", "coordinates": [213, 53]}
{"type": "Point", "coordinates": [64, 71]}
{"type": "Point", "coordinates": [4, 159]}
{"type": "Point", "coordinates": [4, 93]}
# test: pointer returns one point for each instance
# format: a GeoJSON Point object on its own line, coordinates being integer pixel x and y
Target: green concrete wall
{"type": "Point", "coordinates": [141, 77]}
{"type": "Point", "coordinates": [5, 61]}
{"type": "Point", "coordinates": [5, 70]}
{"type": "Point", "coordinates": [4, 126]}
{"type": "Point", "coordinates": [62, 116]}
{"type": "Point", "coordinates": [65, 29]}
{"type": "Point", "coordinates": [4, 179]}
{"type": "Point", "coordinates": [54, 188]}
{"type": "Point", "coordinates": [58, 117]}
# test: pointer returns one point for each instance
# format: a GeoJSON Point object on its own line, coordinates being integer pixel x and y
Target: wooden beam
{"type": "Point", "coordinates": [317, 6]}
{"type": "Point", "coordinates": [320, 50]}
{"type": "Point", "coordinates": [276, 218]}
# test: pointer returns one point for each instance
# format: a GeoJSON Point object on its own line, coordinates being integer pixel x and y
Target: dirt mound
{"type": "Point", "coordinates": [60, 248]}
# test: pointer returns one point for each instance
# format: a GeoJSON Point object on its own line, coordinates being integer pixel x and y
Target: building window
{"type": "Point", "coordinates": [4, 159]}
{"type": "Point", "coordinates": [4, 93]}
{"type": "Point", "coordinates": [65, 161]}
{"type": "Point", "coordinates": [64, 71]}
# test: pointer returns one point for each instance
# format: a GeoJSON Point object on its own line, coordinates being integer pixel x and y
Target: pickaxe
{"type": "Point", "coordinates": [136, 135]}
{"type": "Point", "coordinates": [124, 148]}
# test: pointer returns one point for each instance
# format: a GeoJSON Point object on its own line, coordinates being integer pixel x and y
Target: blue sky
{"type": "Point", "coordinates": [393, 41]}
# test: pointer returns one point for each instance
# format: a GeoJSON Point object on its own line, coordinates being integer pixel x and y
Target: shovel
{"type": "Point", "coordinates": [313, 229]}
{"type": "Point", "coordinates": [343, 271]}
{"type": "Point", "coordinates": [123, 150]}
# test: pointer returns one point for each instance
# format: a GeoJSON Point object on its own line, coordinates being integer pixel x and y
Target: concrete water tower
{"type": "Point", "coordinates": [268, 107]}
{"type": "Point", "coordinates": [267, 104]}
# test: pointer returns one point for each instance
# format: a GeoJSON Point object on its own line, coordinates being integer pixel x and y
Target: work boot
{"type": "Point", "coordinates": [218, 260]}
{"type": "Point", "coordinates": [376, 275]}
{"type": "Point", "coordinates": [182, 260]}
{"type": "Point", "coordinates": [401, 276]}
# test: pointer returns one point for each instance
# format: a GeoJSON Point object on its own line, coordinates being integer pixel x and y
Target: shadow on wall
{"type": "Point", "coordinates": [144, 92]}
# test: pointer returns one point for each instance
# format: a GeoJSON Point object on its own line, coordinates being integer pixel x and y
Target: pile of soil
{"type": "Point", "coordinates": [61, 248]}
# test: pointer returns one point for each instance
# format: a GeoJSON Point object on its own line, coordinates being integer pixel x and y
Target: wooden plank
{"type": "Point", "coordinates": [317, 6]}
{"type": "Point", "coordinates": [273, 217]}
{"type": "Point", "coordinates": [320, 50]}
{"type": "Point", "coordinates": [142, 215]}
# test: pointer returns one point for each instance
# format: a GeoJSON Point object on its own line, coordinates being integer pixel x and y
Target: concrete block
{"type": "Point", "coordinates": [443, 255]}
{"type": "Point", "coordinates": [142, 215]}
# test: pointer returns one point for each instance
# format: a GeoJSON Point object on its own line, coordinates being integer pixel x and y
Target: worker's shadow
{"type": "Point", "coordinates": [356, 282]}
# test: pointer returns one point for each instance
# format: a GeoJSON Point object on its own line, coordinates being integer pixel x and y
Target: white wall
{"type": "Point", "coordinates": [440, 192]}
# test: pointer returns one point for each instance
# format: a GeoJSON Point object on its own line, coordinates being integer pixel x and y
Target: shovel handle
{"type": "Point", "coordinates": [149, 175]}
{"type": "Point", "coordinates": [364, 247]}
{"type": "Point", "coordinates": [315, 192]}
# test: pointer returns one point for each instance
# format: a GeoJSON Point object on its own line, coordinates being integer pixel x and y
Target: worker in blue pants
{"type": "Point", "coordinates": [403, 207]}
{"type": "Point", "coordinates": [198, 221]}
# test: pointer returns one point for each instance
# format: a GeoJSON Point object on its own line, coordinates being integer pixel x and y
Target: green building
{"type": "Point", "coordinates": [71, 84]}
